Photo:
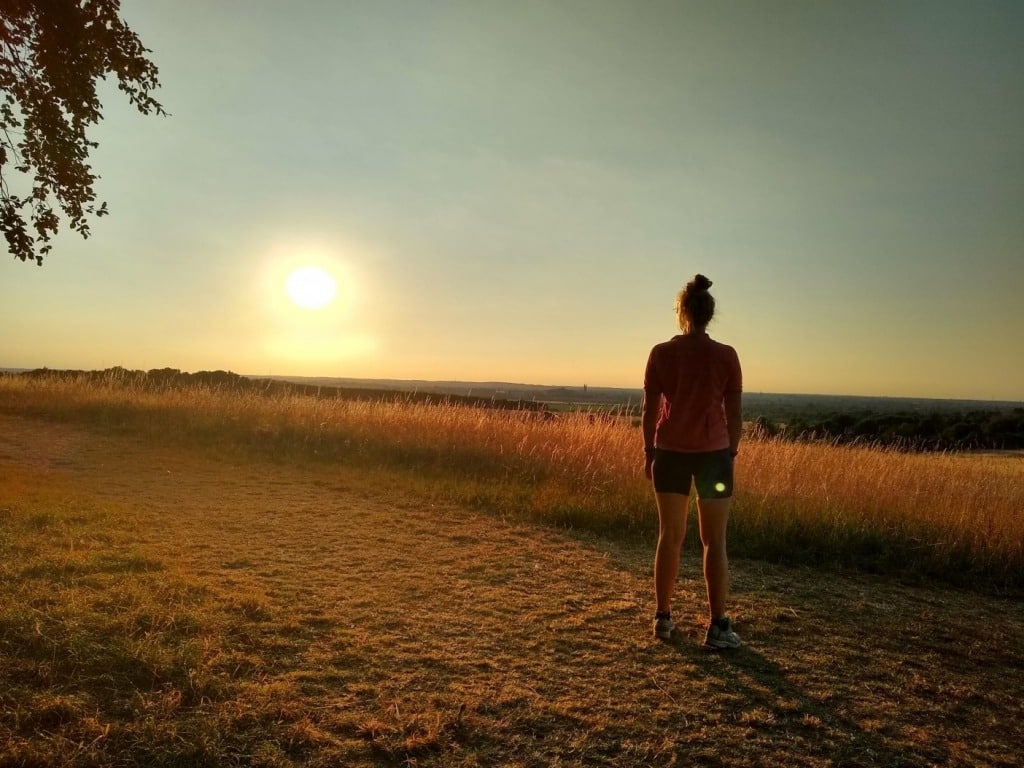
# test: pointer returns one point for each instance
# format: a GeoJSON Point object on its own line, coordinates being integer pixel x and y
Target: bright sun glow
{"type": "Point", "coordinates": [311, 288]}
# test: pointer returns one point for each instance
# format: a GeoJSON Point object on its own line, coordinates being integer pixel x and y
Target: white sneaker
{"type": "Point", "coordinates": [722, 638]}
{"type": "Point", "coordinates": [663, 628]}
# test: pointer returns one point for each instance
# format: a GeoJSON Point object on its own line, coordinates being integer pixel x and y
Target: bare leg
{"type": "Point", "coordinates": [672, 509]}
{"type": "Point", "coordinates": [713, 515]}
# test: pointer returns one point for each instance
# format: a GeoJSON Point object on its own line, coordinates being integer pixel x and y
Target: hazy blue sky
{"type": "Point", "coordinates": [516, 190]}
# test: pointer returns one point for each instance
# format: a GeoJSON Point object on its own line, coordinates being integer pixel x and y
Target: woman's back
{"type": "Point", "coordinates": [692, 372]}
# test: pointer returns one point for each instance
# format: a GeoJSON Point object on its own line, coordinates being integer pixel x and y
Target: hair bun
{"type": "Point", "coordinates": [695, 305]}
{"type": "Point", "coordinates": [700, 283]}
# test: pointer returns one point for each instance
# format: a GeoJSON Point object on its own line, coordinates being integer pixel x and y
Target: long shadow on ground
{"type": "Point", "coordinates": [759, 693]}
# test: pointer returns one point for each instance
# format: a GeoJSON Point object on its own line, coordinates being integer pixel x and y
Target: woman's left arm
{"type": "Point", "coordinates": [650, 409]}
{"type": "Point", "coordinates": [649, 412]}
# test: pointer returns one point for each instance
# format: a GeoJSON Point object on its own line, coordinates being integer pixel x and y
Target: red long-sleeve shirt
{"type": "Point", "coordinates": [689, 375]}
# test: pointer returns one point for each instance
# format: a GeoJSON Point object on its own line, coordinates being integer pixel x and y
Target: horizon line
{"type": "Point", "coordinates": [511, 384]}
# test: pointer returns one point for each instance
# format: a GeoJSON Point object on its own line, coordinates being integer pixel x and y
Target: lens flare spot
{"type": "Point", "coordinates": [720, 487]}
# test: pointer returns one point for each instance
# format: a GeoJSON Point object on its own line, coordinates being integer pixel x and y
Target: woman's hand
{"type": "Point", "coordinates": [648, 464]}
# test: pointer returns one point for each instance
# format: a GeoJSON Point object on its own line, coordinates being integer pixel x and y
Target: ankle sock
{"type": "Point", "coordinates": [722, 622]}
{"type": "Point", "coordinates": [663, 614]}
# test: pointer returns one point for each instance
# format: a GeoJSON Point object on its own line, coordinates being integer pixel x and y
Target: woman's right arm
{"type": "Point", "coordinates": [733, 401]}
{"type": "Point", "coordinates": [734, 419]}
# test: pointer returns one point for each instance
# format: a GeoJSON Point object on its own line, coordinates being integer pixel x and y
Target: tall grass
{"type": "Point", "coordinates": [954, 517]}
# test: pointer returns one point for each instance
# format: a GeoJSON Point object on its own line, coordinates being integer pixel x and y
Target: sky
{"type": "Point", "coordinates": [515, 191]}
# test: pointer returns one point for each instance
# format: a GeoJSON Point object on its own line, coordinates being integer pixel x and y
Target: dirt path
{"type": "Point", "coordinates": [398, 632]}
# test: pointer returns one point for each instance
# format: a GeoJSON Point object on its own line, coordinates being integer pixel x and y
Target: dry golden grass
{"type": "Point", "coordinates": [957, 518]}
{"type": "Point", "coordinates": [163, 604]}
{"type": "Point", "coordinates": [954, 514]}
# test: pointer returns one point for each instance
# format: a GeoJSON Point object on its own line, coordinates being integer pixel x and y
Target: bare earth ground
{"type": "Point", "coordinates": [383, 630]}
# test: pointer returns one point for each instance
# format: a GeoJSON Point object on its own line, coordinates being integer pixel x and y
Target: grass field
{"type": "Point", "coordinates": [954, 518]}
{"type": "Point", "coordinates": [191, 580]}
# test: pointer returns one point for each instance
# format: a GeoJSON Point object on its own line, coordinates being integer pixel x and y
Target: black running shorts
{"type": "Point", "coordinates": [709, 471]}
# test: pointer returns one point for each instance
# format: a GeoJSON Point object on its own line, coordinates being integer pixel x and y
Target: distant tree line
{"type": "Point", "coordinates": [931, 431]}
{"type": "Point", "coordinates": [172, 378]}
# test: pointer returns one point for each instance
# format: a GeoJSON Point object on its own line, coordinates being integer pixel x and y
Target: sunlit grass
{"type": "Point", "coordinates": [956, 517]}
{"type": "Point", "coordinates": [197, 578]}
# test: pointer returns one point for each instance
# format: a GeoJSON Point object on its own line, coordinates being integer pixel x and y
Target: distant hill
{"type": "Point", "coordinates": [772, 405]}
{"type": "Point", "coordinates": [483, 389]}
{"type": "Point", "coordinates": [228, 381]}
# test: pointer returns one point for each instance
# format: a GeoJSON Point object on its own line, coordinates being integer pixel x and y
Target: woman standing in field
{"type": "Point", "coordinates": [692, 421]}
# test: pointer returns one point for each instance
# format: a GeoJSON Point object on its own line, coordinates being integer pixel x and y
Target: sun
{"type": "Point", "coordinates": [311, 288]}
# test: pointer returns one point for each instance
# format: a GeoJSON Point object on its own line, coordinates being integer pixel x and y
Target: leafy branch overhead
{"type": "Point", "coordinates": [52, 53]}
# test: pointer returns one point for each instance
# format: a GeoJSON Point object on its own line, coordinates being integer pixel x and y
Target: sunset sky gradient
{"type": "Point", "coordinates": [515, 191]}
